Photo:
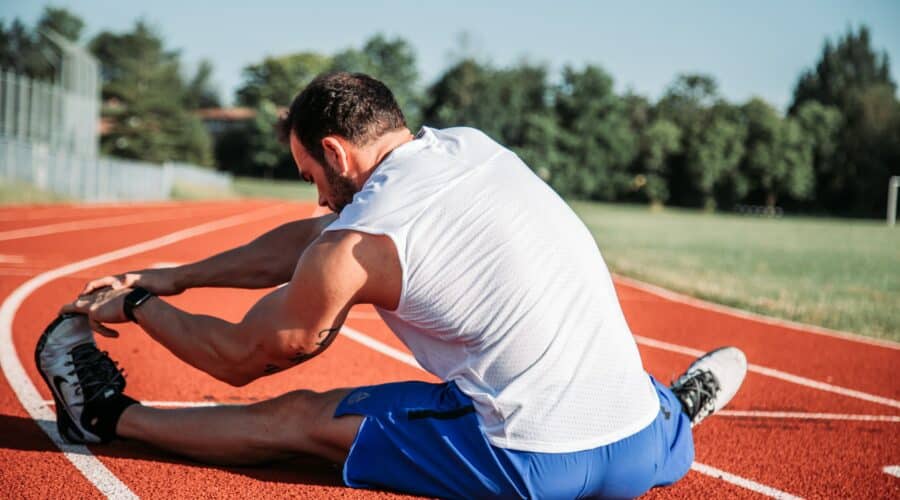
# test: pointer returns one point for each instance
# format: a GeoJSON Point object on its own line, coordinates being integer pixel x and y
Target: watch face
{"type": "Point", "coordinates": [134, 299]}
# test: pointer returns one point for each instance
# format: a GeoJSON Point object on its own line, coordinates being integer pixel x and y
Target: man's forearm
{"type": "Point", "coordinates": [209, 344]}
{"type": "Point", "coordinates": [267, 261]}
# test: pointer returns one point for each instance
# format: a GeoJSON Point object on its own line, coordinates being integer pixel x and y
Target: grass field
{"type": "Point", "coordinates": [18, 193]}
{"type": "Point", "coordinates": [837, 273]}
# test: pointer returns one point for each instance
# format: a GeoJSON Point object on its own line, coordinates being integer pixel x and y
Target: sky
{"type": "Point", "coordinates": [751, 48]}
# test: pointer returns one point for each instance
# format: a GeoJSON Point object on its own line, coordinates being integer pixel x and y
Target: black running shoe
{"type": "Point", "coordinates": [86, 384]}
{"type": "Point", "coordinates": [710, 382]}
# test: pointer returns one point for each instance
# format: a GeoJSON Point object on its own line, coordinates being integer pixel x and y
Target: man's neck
{"type": "Point", "coordinates": [374, 153]}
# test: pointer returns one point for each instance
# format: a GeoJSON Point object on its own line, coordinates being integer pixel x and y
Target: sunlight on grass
{"type": "Point", "coordinates": [837, 273]}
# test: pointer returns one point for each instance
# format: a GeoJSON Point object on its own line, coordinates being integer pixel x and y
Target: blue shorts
{"type": "Point", "coordinates": [425, 439]}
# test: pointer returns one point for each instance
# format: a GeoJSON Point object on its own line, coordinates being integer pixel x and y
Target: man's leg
{"type": "Point", "coordinates": [291, 424]}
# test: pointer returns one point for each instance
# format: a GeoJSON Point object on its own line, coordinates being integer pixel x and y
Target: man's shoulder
{"type": "Point", "coordinates": [368, 259]}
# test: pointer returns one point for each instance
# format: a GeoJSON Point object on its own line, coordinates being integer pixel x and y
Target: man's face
{"type": "Point", "coordinates": [335, 190]}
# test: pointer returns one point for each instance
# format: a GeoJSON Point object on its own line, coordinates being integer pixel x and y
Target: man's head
{"type": "Point", "coordinates": [333, 128]}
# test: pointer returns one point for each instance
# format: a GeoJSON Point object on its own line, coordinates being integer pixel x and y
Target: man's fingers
{"type": "Point", "coordinates": [77, 306]}
{"type": "Point", "coordinates": [99, 283]}
{"type": "Point", "coordinates": [103, 330]}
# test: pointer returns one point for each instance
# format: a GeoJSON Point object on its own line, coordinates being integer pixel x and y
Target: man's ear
{"type": "Point", "coordinates": [336, 153]}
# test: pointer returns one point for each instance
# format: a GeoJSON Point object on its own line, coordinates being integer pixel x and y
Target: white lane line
{"type": "Point", "coordinates": [164, 265]}
{"type": "Point", "coordinates": [893, 470]}
{"type": "Point", "coordinates": [173, 404]}
{"type": "Point", "coordinates": [759, 318]}
{"type": "Point", "coordinates": [80, 225]}
{"type": "Point", "coordinates": [702, 468]}
{"type": "Point", "coordinates": [807, 416]}
{"type": "Point", "coordinates": [771, 372]}
{"type": "Point", "coordinates": [381, 347]}
{"type": "Point", "coordinates": [742, 482]}
{"type": "Point", "coordinates": [80, 456]}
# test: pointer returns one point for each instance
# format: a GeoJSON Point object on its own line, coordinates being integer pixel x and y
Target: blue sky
{"type": "Point", "coordinates": [752, 48]}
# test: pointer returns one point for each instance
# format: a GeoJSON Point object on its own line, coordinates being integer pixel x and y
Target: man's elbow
{"type": "Point", "coordinates": [235, 378]}
{"type": "Point", "coordinates": [232, 369]}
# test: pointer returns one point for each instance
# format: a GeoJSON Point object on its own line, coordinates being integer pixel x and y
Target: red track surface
{"type": "Point", "coordinates": [808, 457]}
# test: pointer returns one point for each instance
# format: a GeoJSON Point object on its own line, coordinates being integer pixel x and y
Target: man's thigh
{"type": "Point", "coordinates": [303, 421]}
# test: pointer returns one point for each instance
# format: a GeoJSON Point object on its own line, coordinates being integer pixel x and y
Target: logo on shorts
{"type": "Point", "coordinates": [666, 412]}
{"type": "Point", "coordinates": [357, 397]}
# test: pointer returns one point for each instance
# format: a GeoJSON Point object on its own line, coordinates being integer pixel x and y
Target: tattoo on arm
{"type": "Point", "coordinates": [270, 369]}
{"type": "Point", "coordinates": [325, 337]}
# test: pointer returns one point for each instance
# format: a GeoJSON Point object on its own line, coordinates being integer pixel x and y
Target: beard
{"type": "Point", "coordinates": [342, 188]}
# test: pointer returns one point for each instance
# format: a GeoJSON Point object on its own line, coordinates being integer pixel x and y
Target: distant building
{"type": "Point", "coordinates": [218, 121]}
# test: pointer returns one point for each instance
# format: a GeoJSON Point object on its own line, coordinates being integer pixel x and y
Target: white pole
{"type": "Point", "coordinates": [892, 200]}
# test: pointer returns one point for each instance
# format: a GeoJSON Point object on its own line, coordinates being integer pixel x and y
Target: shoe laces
{"type": "Point", "coordinates": [96, 372]}
{"type": "Point", "coordinates": [697, 392]}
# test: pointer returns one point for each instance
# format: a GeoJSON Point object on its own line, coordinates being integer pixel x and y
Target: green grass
{"type": "Point", "coordinates": [18, 193]}
{"type": "Point", "coordinates": [286, 190]}
{"type": "Point", "coordinates": [837, 273]}
{"type": "Point", "coordinates": [246, 187]}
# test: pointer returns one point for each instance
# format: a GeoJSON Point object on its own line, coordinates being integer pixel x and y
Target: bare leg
{"type": "Point", "coordinates": [294, 423]}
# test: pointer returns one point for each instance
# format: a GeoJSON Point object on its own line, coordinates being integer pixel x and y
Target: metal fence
{"type": "Point", "coordinates": [91, 178]}
{"type": "Point", "coordinates": [49, 138]}
{"type": "Point", "coordinates": [43, 112]}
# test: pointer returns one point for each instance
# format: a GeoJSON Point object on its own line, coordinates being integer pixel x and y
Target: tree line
{"type": "Point", "coordinates": [833, 150]}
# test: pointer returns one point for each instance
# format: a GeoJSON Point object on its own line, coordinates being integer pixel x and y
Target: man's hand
{"type": "Point", "coordinates": [156, 281]}
{"type": "Point", "coordinates": [103, 306]}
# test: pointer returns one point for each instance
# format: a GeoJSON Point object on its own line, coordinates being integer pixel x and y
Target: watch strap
{"type": "Point", "coordinates": [133, 300]}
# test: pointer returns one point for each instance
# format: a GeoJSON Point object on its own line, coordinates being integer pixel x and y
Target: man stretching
{"type": "Point", "coordinates": [484, 273]}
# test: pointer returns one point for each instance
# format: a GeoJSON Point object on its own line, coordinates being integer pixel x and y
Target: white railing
{"type": "Point", "coordinates": [94, 179]}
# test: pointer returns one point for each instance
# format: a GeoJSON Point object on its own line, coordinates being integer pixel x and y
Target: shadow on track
{"type": "Point", "coordinates": [23, 433]}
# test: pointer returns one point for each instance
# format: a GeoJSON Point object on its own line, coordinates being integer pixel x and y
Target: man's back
{"type": "Point", "coordinates": [505, 293]}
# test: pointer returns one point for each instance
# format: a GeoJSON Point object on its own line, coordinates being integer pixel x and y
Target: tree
{"type": "Point", "coordinates": [62, 22]}
{"type": "Point", "coordinates": [29, 52]}
{"type": "Point", "coordinates": [279, 79]}
{"type": "Point", "coordinates": [855, 80]}
{"type": "Point", "coordinates": [600, 143]}
{"type": "Point", "coordinates": [393, 61]}
{"type": "Point", "coordinates": [144, 96]}
{"type": "Point", "coordinates": [713, 154]}
{"type": "Point", "coordinates": [266, 151]}
{"type": "Point", "coordinates": [659, 141]}
{"type": "Point", "coordinates": [200, 92]}
{"type": "Point", "coordinates": [711, 142]}
{"type": "Point", "coordinates": [779, 156]}
{"type": "Point", "coordinates": [847, 66]}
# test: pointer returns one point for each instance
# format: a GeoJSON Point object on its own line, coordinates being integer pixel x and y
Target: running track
{"type": "Point", "coordinates": [819, 414]}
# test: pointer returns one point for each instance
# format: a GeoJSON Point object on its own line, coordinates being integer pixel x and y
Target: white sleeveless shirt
{"type": "Point", "coordinates": [504, 292]}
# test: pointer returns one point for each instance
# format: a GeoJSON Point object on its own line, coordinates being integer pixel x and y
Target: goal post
{"type": "Point", "coordinates": [893, 185]}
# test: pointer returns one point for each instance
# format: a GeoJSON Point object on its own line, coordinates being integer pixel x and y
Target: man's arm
{"type": "Point", "coordinates": [267, 261]}
{"type": "Point", "coordinates": [291, 324]}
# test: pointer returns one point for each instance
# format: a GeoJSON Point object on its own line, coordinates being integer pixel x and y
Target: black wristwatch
{"type": "Point", "coordinates": [134, 299]}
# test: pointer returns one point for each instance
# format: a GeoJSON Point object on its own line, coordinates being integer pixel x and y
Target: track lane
{"type": "Point", "coordinates": [842, 362]}
{"type": "Point", "coordinates": [367, 326]}
{"type": "Point", "coordinates": [156, 488]}
{"type": "Point", "coordinates": [17, 375]}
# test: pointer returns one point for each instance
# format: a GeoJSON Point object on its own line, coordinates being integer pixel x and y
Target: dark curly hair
{"type": "Point", "coordinates": [354, 106]}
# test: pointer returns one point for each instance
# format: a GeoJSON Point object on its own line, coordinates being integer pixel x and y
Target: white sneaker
{"type": "Point", "coordinates": [710, 382]}
{"type": "Point", "coordinates": [83, 380]}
